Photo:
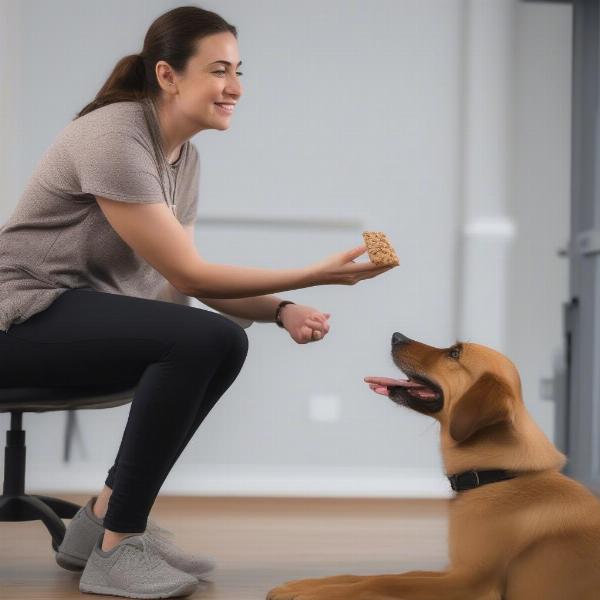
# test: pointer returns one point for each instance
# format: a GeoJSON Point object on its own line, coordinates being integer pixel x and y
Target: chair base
{"type": "Point", "coordinates": [51, 511]}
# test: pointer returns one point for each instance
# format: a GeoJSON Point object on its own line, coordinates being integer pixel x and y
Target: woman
{"type": "Point", "coordinates": [102, 233]}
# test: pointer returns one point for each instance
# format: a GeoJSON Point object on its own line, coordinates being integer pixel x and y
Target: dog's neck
{"type": "Point", "coordinates": [522, 447]}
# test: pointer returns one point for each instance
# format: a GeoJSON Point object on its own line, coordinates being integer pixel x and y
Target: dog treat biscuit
{"type": "Point", "coordinates": [379, 248]}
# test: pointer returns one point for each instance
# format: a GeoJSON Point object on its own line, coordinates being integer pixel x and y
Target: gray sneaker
{"type": "Point", "coordinates": [82, 533]}
{"type": "Point", "coordinates": [85, 528]}
{"type": "Point", "coordinates": [133, 569]}
{"type": "Point", "coordinates": [160, 540]}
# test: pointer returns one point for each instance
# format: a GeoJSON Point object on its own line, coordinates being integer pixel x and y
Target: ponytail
{"type": "Point", "coordinates": [127, 82]}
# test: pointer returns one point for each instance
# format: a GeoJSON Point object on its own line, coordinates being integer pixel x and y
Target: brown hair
{"type": "Point", "coordinates": [172, 37]}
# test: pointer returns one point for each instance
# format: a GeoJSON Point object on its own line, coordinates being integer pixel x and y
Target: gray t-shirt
{"type": "Point", "coordinates": [58, 238]}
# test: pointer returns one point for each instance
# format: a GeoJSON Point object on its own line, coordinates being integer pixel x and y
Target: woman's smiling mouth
{"type": "Point", "coordinates": [225, 108]}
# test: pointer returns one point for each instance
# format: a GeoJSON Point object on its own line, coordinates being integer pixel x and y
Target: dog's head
{"type": "Point", "coordinates": [467, 387]}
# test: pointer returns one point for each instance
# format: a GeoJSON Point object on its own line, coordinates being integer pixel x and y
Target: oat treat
{"type": "Point", "coordinates": [379, 248]}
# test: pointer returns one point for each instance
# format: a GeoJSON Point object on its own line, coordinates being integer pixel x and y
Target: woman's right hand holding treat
{"type": "Point", "coordinates": [341, 269]}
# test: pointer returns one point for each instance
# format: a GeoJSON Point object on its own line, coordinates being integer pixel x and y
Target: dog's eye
{"type": "Point", "coordinates": [454, 353]}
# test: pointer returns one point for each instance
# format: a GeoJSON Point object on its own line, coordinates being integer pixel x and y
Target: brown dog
{"type": "Point", "coordinates": [518, 528]}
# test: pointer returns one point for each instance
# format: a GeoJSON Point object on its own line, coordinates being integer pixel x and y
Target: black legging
{"type": "Point", "coordinates": [182, 359]}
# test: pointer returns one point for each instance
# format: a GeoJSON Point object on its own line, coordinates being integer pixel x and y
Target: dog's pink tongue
{"type": "Point", "coordinates": [381, 385]}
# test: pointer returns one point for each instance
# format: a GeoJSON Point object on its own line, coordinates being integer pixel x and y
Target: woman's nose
{"type": "Point", "coordinates": [234, 88]}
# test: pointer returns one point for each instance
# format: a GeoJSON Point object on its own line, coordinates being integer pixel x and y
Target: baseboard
{"type": "Point", "coordinates": [260, 480]}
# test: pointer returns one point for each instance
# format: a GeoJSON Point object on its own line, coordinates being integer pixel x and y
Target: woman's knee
{"type": "Point", "coordinates": [208, 331]}
{"type": "Point", "coordinates": [238, 340]}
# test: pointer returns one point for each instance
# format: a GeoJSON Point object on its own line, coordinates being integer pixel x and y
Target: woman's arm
{"type": "Point", "coordinates": [153, 232]}
{"type": "Point", "coordinates": [256, 308]}
{"type": "Point", "coordinates": [168, 293]}
{"type": "Point", "coordinates": [173, 255]}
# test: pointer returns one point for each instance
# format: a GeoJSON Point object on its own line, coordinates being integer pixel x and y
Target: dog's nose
{"type": "Point", "coordinates": [398, 339]}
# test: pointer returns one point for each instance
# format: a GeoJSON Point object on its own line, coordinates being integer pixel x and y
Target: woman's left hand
{"type": "Point", "coordinates": [304, 323]}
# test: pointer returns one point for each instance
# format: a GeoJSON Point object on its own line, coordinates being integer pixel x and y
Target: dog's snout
{"type": "Point", "coordinates": [398, 339]}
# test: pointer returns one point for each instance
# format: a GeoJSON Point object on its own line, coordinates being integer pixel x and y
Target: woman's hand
{"type": "Point", "coordinates": [304, 323]}
{"type": "Point", "coordinates": [341, 269]}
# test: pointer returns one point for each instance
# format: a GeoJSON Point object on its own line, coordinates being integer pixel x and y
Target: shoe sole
{"type": "Point", "coordinates": [69, 562]}
{"type": "Point", "coordinates": [183, 590]}
{"type": "Point", "coordinates": [73, 563]}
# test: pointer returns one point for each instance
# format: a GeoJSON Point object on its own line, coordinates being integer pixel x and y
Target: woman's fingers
{"type": "Point", "coordinates": [311, 333]}
{"type": "Point", "coordinates": [368, 266]}
{"type": "Point", "coordinates": [317, 325]}
{"type": "Point", "coordinates": [356, 252]}
{"type": "Point", "coordinates": [318, 319]}
{"type": "Point", "coordinates": [306, 334]}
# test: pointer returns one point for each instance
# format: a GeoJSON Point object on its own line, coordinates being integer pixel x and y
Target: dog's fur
{"type": "Point", "coordinates": [533, 537]}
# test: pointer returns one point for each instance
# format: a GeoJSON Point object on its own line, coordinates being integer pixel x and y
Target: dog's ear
{"type": "Point", "coordinates": [487, 402]}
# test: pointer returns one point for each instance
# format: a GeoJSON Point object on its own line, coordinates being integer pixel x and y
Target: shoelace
{"type": "Point", "coordinates": [132, 554]}
{"type": "Point", "coordinates": [153, 558]}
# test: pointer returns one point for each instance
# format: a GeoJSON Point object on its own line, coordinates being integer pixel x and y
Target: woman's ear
{"type": "Point", "coordinates": [487, 402]}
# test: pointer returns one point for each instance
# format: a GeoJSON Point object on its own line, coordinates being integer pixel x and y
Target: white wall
{"type": "Point", "coordinates": [540, 202]}
{"type": "Point", "coordinates": [352, 114]}
{"type": "Point", "coordinates": [10, 114]}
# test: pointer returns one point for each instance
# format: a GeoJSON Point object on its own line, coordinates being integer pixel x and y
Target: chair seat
{"type": "Point", "coordinates": [36, 399]}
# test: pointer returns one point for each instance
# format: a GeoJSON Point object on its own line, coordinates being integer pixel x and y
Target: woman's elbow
{"type": "Point", "coordinates": [189, 282]}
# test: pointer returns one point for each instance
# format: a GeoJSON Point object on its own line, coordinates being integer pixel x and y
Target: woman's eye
{"type": "Point", "coordinates": [223, 73]}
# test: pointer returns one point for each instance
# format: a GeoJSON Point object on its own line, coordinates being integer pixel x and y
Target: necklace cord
{"type": "Point", "coordinates": [161, 160]}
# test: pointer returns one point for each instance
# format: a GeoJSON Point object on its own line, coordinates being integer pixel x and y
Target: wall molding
{"type": "Point", "coordinates": [257, 480]}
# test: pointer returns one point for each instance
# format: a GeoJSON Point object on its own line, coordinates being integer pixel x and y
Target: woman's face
{"type": "Point", "coordinates": [210, 86]}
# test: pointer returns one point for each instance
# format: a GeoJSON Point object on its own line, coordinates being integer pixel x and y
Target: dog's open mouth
{"type": "Point", "coordinates": [406, 391]}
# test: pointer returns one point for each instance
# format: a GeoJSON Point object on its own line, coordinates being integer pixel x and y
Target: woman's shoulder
{"type": "Point", "coordinates": [111, 116]}
{"type": "Point", "coordinates": [113, 110]}
{"type": "Point", "coordinates": [117, 117]}
{"type": "Point", "coordinates": [121, 122]}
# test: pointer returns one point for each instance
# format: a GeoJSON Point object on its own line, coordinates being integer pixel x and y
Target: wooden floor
{"type": "Point", "coordinates": [257, 543]}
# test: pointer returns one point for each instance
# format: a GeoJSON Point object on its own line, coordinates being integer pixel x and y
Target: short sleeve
{"type": "Point", "coordinates": [117, 166]}
{"type": "Point", "coordinates": [191, 201]}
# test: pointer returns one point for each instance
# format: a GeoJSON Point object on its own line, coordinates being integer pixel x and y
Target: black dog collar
{"type": "Point", "coordinates": [472, 479]}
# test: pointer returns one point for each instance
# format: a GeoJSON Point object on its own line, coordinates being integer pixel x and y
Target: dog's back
{"type": "Point", "coordinates": [558, 567]}
{"type": "Point", "coordinates": [541, 531]}
{"type": "Point", "coordinates": [565, 558]}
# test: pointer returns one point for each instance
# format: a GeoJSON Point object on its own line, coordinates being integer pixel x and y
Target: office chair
{"type": "Point", "coordinates": [15, 504]}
